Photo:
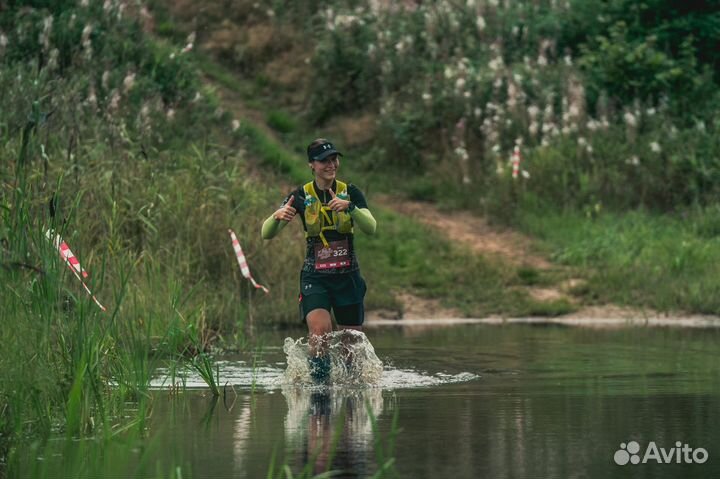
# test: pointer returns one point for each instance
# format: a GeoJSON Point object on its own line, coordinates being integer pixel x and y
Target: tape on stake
{"type": "Point", "coordinates": [516, 162]}
{"type": "Point", "coordinates": [72, 262]}
{"type": "Point", "coordinates": [244, 269]}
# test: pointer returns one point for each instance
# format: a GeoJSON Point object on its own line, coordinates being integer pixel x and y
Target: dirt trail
{"type": "Point", "coordinates": [479, 236]}
{"type": "Point", "coordinates": [474, 232]}
{"type": "Point", "coordinates": [514, 248]}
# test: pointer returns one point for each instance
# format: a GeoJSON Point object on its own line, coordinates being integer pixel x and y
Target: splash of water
{"type": "Point", "coordinates": [363, 370]}
{"type": "Point", "coordinates": [353, 361]}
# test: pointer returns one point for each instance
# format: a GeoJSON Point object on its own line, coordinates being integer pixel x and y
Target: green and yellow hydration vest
{"type": "Point", "coordinates": [320, 218]}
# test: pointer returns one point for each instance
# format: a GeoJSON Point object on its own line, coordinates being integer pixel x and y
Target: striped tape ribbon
{"type": "Point", "coordinates": [243, 262]}
{"type": "Point", "coordinates": [72, 262]}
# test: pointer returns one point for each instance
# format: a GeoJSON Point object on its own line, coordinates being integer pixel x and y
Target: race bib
{"type": "Point", "coordinates": [335, 255]}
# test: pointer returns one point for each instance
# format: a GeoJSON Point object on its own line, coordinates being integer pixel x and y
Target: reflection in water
{"type": "Point", "coordinates": [331, 428]}
{"type": "Point", "coordinates": [241, 435]}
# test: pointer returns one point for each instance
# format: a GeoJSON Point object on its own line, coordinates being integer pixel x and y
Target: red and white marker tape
{"type": "Point", "coordinates": [243, 262]}
{"type": "Point", "coordinates": [516, 162]}
{"type": "Point", "coordinates": [72, 262]}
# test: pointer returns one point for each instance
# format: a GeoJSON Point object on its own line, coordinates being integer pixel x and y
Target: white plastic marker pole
{"type": "Point", "coordinates": [243, 262]}
{"type": "Point", "coordinates": [72, 262]}
{"type": "Point", "coordinates": [516, 162]}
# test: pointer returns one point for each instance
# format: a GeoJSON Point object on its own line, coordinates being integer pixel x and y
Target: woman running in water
{"type": "Point", "coordinates": [330, 278]}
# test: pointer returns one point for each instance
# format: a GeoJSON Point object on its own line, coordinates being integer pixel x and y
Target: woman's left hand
{"type": "Point", "coordinates": [337, 204]}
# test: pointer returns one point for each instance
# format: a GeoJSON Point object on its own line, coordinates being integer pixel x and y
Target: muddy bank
{"type": "Point", "coordinates": [592, 318]}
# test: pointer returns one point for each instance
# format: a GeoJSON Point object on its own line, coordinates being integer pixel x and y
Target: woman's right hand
{"type": "Point", "coordinates": [286, 212]}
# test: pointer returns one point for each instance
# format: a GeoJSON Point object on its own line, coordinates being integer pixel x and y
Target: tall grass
{"type": "Point", "coordinates": [132, 455]}
{"type": "Point", "coordinates": [667, 263]}
{"type": "Point", "coordinates": [99, 120]}
{"type": "Point", "coordinates": [384, 450]}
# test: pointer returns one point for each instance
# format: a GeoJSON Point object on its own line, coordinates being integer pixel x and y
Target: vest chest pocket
{"type": "Point", "coordinates": [319, 218]}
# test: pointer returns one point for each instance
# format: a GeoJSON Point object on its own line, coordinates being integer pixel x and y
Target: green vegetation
{"type": "Point", "coordinates": [610, 102]}
{"type": "Point", "coordinates": [281, 122]}
{"type": "Point", "coordinates": [662, 262]}
{"type": "Point", "coordinates": [107, 139]}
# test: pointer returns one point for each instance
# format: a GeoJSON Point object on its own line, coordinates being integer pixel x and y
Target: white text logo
{"type": "Point", "coordinates": [680, 454]}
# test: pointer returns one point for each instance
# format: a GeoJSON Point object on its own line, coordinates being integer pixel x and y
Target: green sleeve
{"type": "Point", "coordinates": [364, 220]}
{"type": "Point", "coordinates": [271, 227]}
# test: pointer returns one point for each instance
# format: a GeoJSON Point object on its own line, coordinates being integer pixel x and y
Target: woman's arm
{"type": "Point", "coordinates": [271, 227]}
{"type": "Point", "coordinates": [277, 221]}
{"type": "Point", "coordinates": [364, 220]}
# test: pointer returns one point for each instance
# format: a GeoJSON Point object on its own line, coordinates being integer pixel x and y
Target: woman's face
{"type": "Point", "coordinates": [327, 168]}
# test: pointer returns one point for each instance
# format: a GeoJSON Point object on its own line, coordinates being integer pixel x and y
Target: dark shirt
{"type": "Point", "coordinates": [356, 196]}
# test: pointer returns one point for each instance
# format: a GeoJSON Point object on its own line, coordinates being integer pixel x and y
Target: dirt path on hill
{"type": "Point", "coordinates": [474, 232]}
{"type": "Point", "coordinates": [512, 247]}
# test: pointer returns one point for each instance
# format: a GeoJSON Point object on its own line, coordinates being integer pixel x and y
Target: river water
{"type": "Point", "coordinates": [470, 401]}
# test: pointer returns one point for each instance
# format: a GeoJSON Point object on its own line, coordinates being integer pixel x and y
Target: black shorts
{"type": "Point", "coordinates": [342, 293]}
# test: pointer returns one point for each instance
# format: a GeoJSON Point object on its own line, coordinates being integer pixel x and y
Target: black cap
{"type": "Point", "coordinates": [322, 151]}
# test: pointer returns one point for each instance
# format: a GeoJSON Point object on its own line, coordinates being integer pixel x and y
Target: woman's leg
{"type": "Point", "coordinates": [319, 328]}
{"type": "Point", "coordinates": [319, 324]}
